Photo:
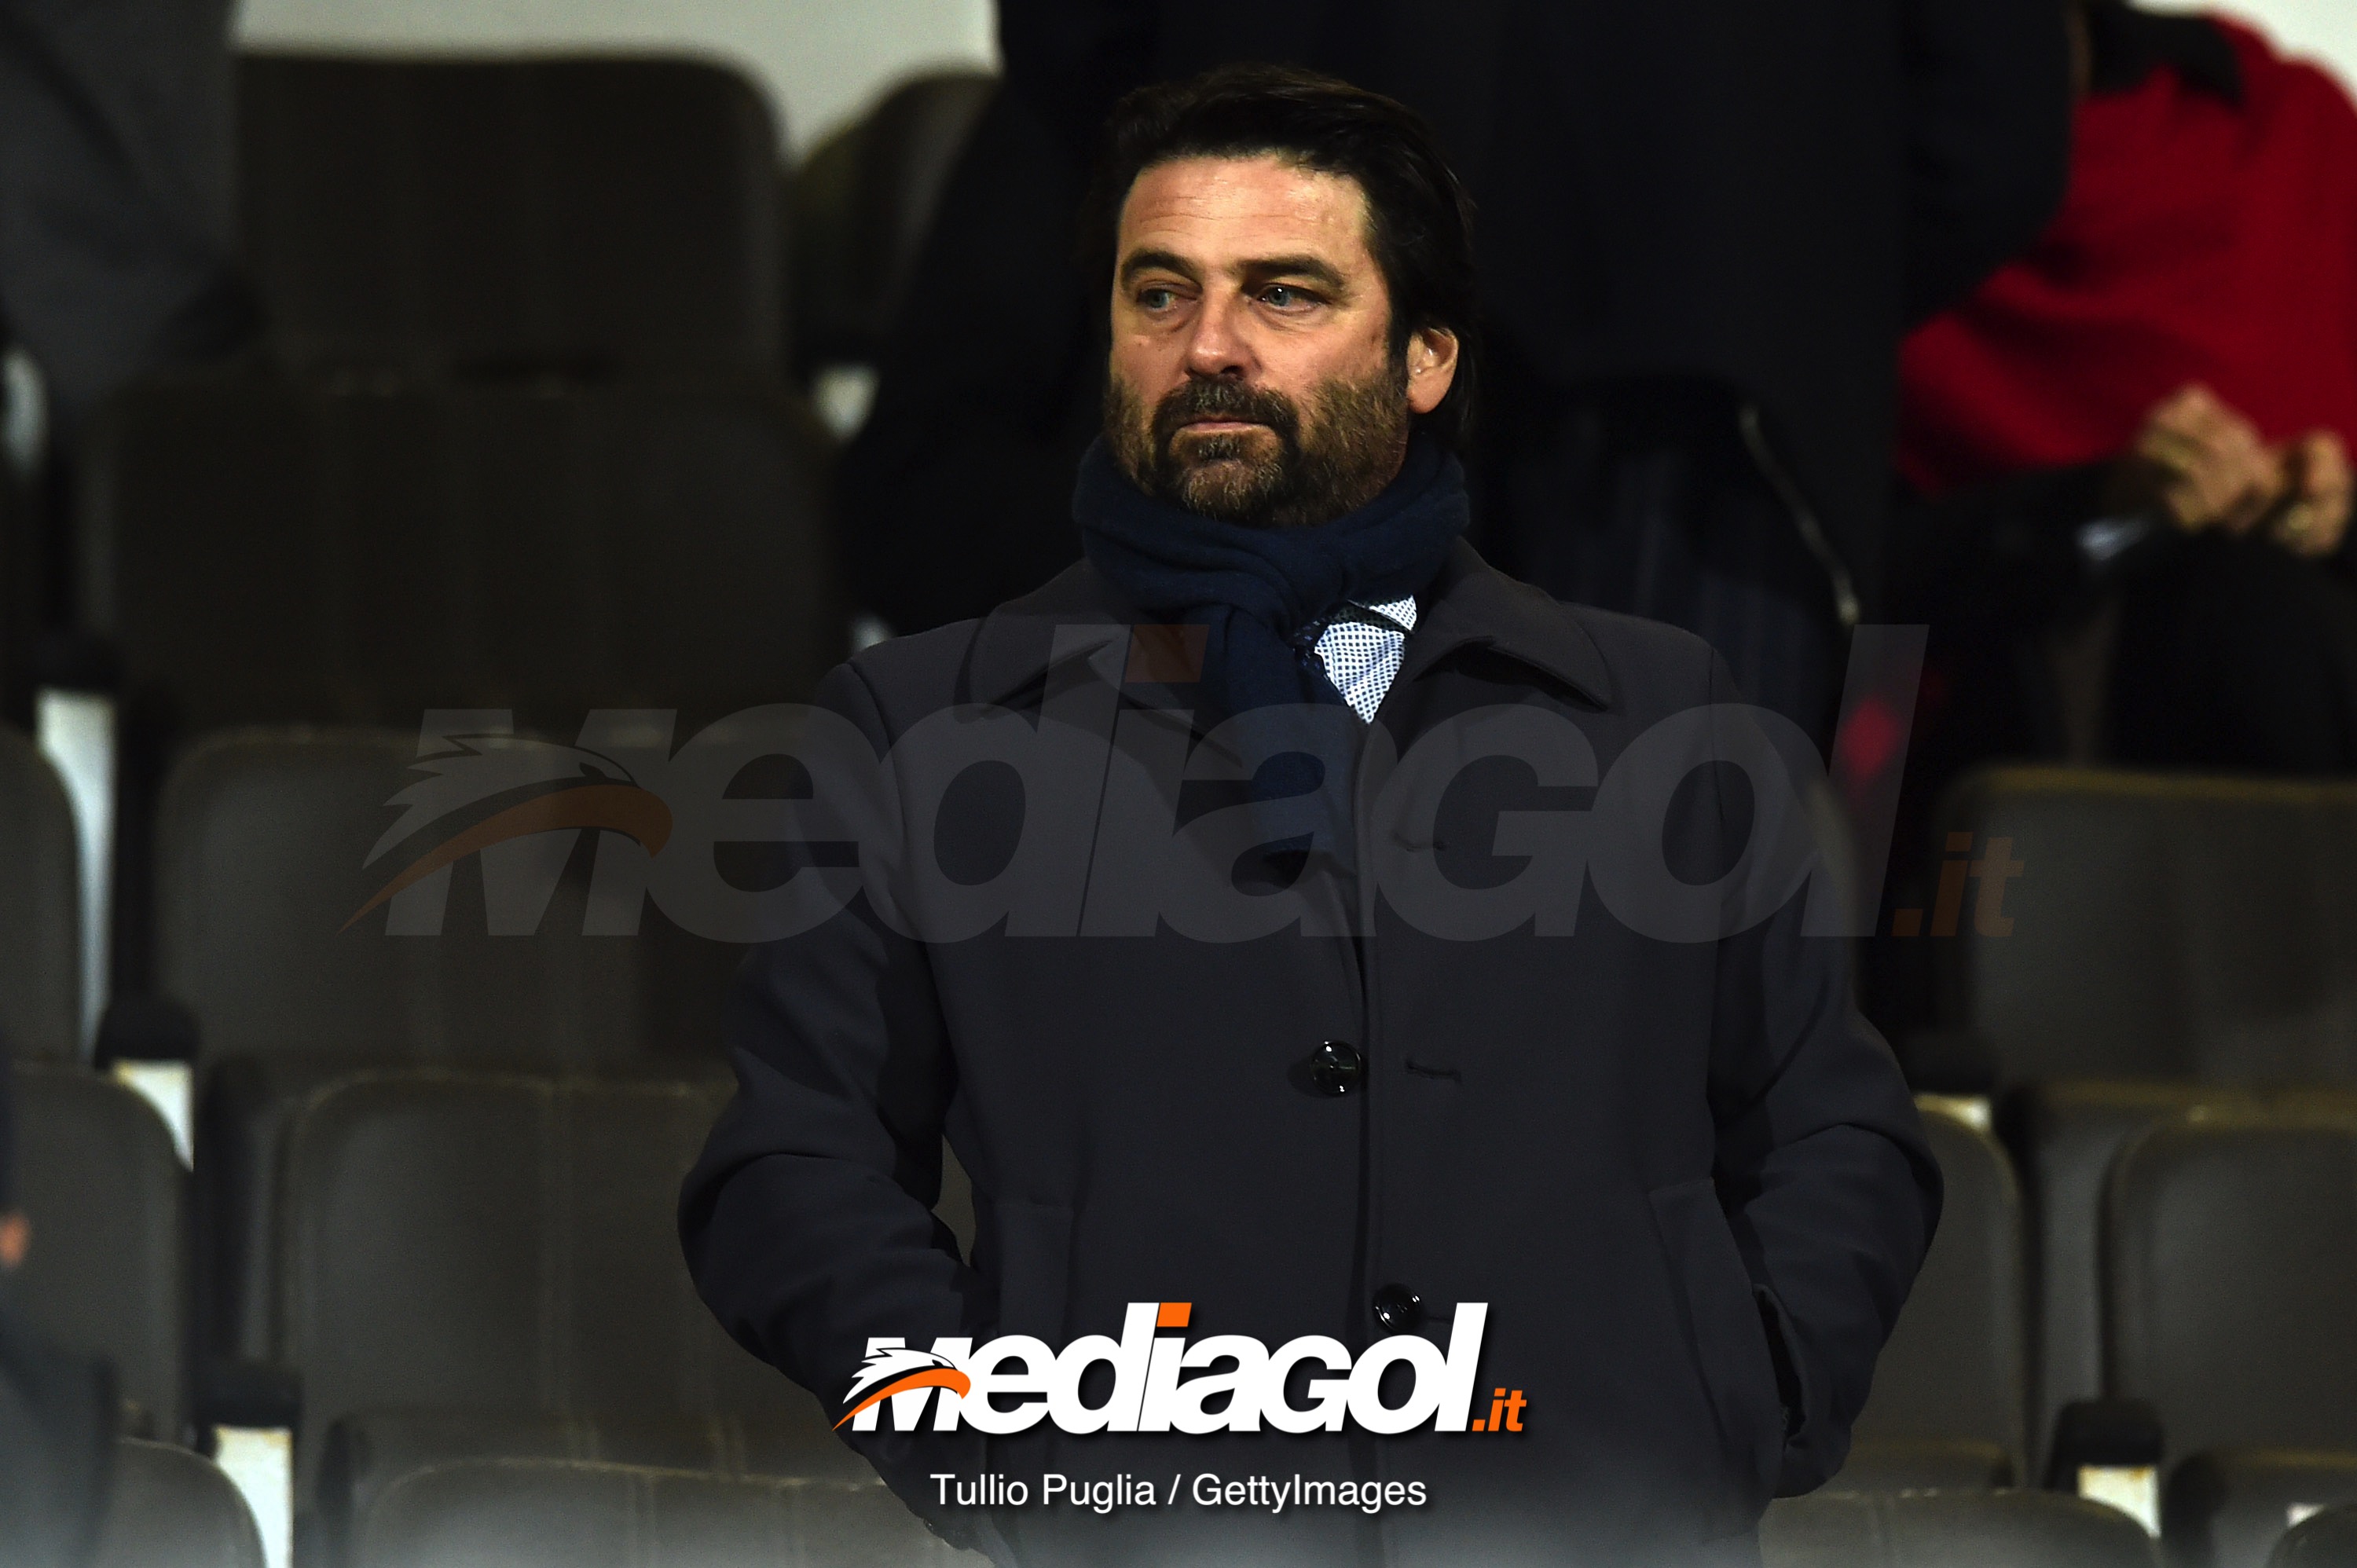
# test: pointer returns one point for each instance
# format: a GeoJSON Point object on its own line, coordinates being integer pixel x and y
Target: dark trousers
{"type": "Point", "coordinates": [1644, 498]}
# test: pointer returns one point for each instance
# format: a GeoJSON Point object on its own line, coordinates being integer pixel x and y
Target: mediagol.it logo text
{"type": "Point", "coordinates": [1162, 1381]}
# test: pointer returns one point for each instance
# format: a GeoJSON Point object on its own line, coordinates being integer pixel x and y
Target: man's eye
{"type": "Point", "coordinates": [1156, 298]}
{"type": "Point", "coordinates": [1283, 297]}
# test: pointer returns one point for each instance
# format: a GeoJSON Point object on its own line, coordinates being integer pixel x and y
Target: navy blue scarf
{"type": "Point", "coordinates": [1264, 593]}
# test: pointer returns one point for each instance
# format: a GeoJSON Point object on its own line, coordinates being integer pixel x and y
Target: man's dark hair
{"type": "Point", "coordinates": [1420, 222]}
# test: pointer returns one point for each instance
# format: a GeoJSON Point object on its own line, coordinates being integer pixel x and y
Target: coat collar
{"type": "Point", "coordinates": [1469, 605]}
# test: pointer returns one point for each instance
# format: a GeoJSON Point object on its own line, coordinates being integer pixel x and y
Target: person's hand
{"type": "Point", "coordinates": [2201, 464]}
{"type": "Point", "coordinates": [16, 1238]}
{"type": "Point", "coordinates": [2315, 511]}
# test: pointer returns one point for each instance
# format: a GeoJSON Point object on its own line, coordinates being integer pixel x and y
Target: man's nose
{"type": "Point", "coordinates": [1220, 346]}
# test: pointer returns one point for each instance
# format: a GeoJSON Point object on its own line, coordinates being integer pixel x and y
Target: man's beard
{"type": "Point", "coordinates": [1353, 448]}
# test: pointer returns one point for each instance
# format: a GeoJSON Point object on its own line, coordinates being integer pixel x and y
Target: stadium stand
{"type": "Point", "coordinates": [1951, 1529]}
{"type": "Point", "coordinates": [2230, 1279]}
{"type": "Point", "coordinates": [495, 217]}
{"type": "Point", "coordinates": [355, 551]}
{"type": "Point", "coordinates": [106, 1274]}
{"type": "Point", "coordinates": [167, 1507]}
{"type": "Point", "coordinates": [262, 849]}
{"type": "Point", "coordinates": [40, 923]}
{"type": "Point", "coordinates": [2167, 928]}
{"type": "Point", "coordinates": [543, 1514]}
{"type": "Point", "coordinates": [1946, 1412]}
{"type": "Point", "coordinates": [503, 1246]}
{"type": "Point", "coordinates": [862, 203]}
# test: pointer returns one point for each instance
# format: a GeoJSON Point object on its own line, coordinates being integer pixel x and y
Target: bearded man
{"type": "Point", "coordinates": [1409, 1117]}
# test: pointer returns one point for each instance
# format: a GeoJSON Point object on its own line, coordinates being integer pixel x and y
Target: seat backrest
{"type": "Point", "coordinates": [262, 862]}
{"type": "Point", "coordinates": [541, 1513]}
{"type": "Point", "coordinates": [2326, 1540]}
{"type": "Point", "coordinates": [103, 1187]}
{"type": "Point", "coordinates": [1951, 1529]}
{"type": "Point", "coordinates": [40, 904]}
{"type": "Point", "coordinates": [504, 1244]}
{"type": "Point", "coordinates": [504, 214]}
{"type": "Point", "coordinates": [1954, 1370]}
{"type": "Point", "coordinates": [2158, 926]}
{"type": "Point", "coordinates": [263, 551]}
{"type": "Point", "coordinates": [2069, 1132]}
{"type": "Point", "coordinates": [2230, 1279]}
{"type": "Point", "coordinates": [863, 202]}
{"type": "Point", "coordinates": [170, 1509]}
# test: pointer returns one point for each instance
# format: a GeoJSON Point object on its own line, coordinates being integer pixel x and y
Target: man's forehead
{"type": "Point", "coordinates": [1214, 209]}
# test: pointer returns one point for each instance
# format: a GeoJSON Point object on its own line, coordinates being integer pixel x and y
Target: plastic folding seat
{"type": "Point", "coordinates": [589, 215]}
{"type": "Point", "coordinates": [41, 902]}
{"type": "Point", "coordinates": [104, 1190]}
{"type": "Point", "coordinates": [1947, 1407]}
{"type": "Point", "coordinates": [263, 845]}
{"type": "Point", "coordinates": [2326, 1539]}
{"type": "Point", "coordinates": [2068, 1134]}
{"type": "Point", "coordinates": [543, 1514]}
{"type": "Point", "coordinates": [2159, 927]}
{"type": "Point", "coordinates": [1951, 1529]}
{"type": "Point", "coordinates": [863, 202]}
{"type": "Point", "coordinates": [167, 1507]}
{"type": "Point", "coordinates": [478, 1264]}
{"type": "Point", "coordinates": [2230, 1284]}
{"type": "Point", "coordinates": [357, 550]}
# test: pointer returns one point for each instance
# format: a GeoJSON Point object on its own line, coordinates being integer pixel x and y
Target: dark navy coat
{"type": "Point", "coordinates": [1684, 1176]}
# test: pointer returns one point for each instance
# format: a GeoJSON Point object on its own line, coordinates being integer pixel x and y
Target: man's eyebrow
{"type": "Point", "coordinates": [1296, 266]}
{"type": "Point", "coordinates": [1151, 261]}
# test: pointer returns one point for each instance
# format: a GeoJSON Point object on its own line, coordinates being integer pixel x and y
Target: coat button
{"type": "Point", "coordinates": [1398, 1309]}
{"type": "Point", "coordinates": [1335, 1068]}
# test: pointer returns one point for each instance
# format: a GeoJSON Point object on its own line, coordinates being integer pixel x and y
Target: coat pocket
{"type": "Point", "coordinates": [1725, 1335]}
{"type": "Point", "coordinates": [1033, 1249]}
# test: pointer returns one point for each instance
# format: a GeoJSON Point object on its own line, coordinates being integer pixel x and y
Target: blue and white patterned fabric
{"type": "Point", "coordinates": [1361, 648]}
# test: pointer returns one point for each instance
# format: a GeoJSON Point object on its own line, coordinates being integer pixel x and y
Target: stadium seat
{"type": "Point", "coordinates": [1947, 1407]}
{"type": "Point", "coordinates": [41, 902]}
{"type": "Point", "coordinates": [488, 217]}
{"type": "Point", "coordinates": [2230, 1284]}
{"type": "Point", "coordinates": [170, 1509]}
{"type": "Point", "coordinates": [1951, 1529]}
{"type": "Point", "coordinates": [863, 201]}
{"type": "Point", "coordinates": [358, 550]}
{"type": "Point", "coordinates": [2159, 927]}
{"type": "Point", "coordinates": [532, 1513]}
{"type": "Point", "coordinates": [2327, 1538]}
{"type": "Point", "coordinates": [2067, 1134]}
{"type": "Point", "coordinates": [104, 1188]}
{"type": "Point", "coordinates": [504, 1246]}
{"type": "Point", "coordinates": [262, 845]}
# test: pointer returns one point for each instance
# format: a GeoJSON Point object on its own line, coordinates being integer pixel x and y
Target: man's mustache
{"type": "Point", "coordinates": [1223, 400]}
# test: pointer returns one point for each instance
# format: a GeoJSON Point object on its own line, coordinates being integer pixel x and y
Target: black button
{"type": "Point", "coordinates": [1398, 1309]}
{"type": "Point", "coordinates": [1336, 1067]}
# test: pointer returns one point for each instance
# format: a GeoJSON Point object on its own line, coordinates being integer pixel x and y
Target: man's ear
{"type": "Point", "coordinates": [1431, 366]}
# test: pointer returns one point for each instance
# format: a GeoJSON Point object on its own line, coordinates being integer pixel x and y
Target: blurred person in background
{"type": "Point", "coordinates": [1705, 229]}
{"type": "Point", "coordinates": [116, 246]}
{"type": "Point", "coordinates": [57, 1410]}
{"type": "Point", "coordinates": [2137, 432]}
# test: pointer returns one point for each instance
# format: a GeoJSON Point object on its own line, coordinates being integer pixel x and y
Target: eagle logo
{"type": "Point", "coordinates": [897, 1370]}
{"type": "Point", "coordinates": [570, 787]}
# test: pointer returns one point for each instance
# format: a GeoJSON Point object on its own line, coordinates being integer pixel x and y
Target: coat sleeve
{"type": "Point", "coordinates": [808, 1222]}
{"type": "Point", "coordinates": [1823, 1169]}
{"type": "Point", "coordinates": [1987, 107]}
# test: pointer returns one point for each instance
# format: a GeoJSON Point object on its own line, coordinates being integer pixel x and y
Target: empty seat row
{"type": "Point", "coordinates": [260, 550]}
{"type": "Point", "coordinates": [2150, 926]}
